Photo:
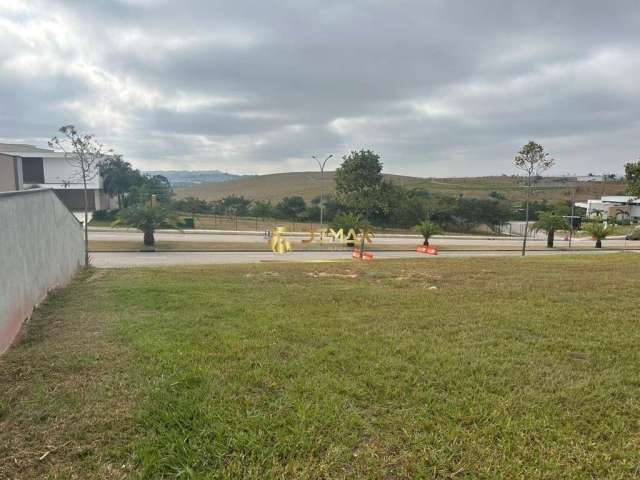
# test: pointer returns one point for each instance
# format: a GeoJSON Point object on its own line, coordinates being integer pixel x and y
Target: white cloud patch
{"type": "Point", "coordinates": [438, 88]}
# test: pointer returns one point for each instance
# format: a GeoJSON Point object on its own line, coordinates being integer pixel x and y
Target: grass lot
{"type": "Point", "coordinates": [508, 368]}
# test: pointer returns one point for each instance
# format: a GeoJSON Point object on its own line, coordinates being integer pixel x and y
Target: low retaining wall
{"type": "Point", "coordinates": [41, 247]}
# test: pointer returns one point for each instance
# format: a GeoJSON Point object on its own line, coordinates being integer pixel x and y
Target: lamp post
{"type": "Point", "coordinates": [321, 164]}
{"type": "Point", "coordinates": [573, 203]}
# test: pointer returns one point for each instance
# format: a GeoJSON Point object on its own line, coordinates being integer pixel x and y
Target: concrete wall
{"type": "Point", "coordinates": [41, 247]}
{"type": "Point", "coordinates": [7, 173]}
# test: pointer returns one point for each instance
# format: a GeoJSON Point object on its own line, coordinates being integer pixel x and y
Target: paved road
{"type": "Point", "coordinates": [252, 237]}
{"type": "Point", "coordinates": [155, 259]}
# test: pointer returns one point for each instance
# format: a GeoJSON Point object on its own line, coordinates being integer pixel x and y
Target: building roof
{"type": "Point", "coordinates": [49, 154]}
{"type": "Point", "coordinates": [28, 151]}
{"type": "Point", "coordinates": [23, 148]}
{"type": "Point", "coordinates": [620, 199]}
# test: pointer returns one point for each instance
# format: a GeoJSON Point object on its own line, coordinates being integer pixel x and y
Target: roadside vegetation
{"type": "Point", "coordinates": [450, 368]}
{"type": "Point", "coordinates": [361, 191]}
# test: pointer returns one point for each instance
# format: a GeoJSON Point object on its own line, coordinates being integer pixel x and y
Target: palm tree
{"type": "Point", "coordinates": [347, 222]}
{"type": "Point", "coordinates": [599, 232]}
{"type": "Point", "coordinates": [428, 229]}
{"type": "Point", "coordinates": [118, 177]}
{"type": "Point", "coordinates": [366, 232]}
{"type": "Point", "coordinates": [148, 219]}
{"type": "Point", "coordinates": [550, 222]}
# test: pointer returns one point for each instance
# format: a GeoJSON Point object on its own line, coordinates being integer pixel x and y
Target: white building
{"type": "Point", "coordinates": [620, 207]}
{"type": "Point", "coordinates": [590, 178]}
{"type": "Point", "coordinates": [25, 166]}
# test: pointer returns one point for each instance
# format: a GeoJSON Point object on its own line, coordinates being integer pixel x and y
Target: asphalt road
{"type": "Point", "coordinates": [160, 259]}
{"type": "Point", "coordinates": [112, 234]}
{"type": "Point", "coordinates": [478, 246]}
{"type": "Point", "coordinates": [252, 237]}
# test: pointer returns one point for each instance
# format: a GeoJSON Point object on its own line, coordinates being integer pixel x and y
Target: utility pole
{"type": "Point", "coordinates": [573, 204]}
{"type": "Point", "coordinates": [526, 217]}
{"type": "Point", "coordinates": [321, 164]}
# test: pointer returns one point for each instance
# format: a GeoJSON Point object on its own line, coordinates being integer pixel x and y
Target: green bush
{"type": "Point", "coordinates": [107, 215]}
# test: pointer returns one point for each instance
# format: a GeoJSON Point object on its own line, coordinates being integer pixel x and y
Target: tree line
{"type": "Point", "coordinates": [361, 192]}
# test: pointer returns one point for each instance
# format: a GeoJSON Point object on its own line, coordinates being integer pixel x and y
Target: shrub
{"type": "Point", "coordinates": [105, 215]}
{"type": "Point", "coordinates": [427, 229]}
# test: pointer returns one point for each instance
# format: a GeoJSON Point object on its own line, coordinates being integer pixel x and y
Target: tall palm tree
{"type": "Point", "coordinates": [550, 222]}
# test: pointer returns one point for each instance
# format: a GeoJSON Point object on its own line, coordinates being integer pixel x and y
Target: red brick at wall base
{"type": "Point", "coordinates": [11, 326]}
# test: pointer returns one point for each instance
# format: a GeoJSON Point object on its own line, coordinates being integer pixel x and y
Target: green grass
{"type": "Point", "coordinates": [509, 368]}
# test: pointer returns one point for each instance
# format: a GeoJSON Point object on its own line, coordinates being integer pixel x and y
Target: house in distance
{"type": "Point", "coordinates": [24, 167]}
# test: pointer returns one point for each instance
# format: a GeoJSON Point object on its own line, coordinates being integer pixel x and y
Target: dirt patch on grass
{"type": "Point", "coordinates": [346, 274]}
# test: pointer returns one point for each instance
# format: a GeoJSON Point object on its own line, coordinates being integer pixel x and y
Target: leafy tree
{"type": "Point", "coordinates": [550, 223]}
{"type": "Point", "coordinates": [359, 180]}
{"type": "Point", "coordinates": [148, 219]}
{"type": "Point", "coordinates": [632, 176]}
{"type": "Point", "coordinates": [235, 205]}
{"type": "Point", "coordinates": [312, 213]}
{"type": "Point", "coordinates": [216, 207]}
{"type": "Point", "coordinates": [146, 186]}
{"type": "Point", "coordinates": [494, 213]}
{"type": "Point", "coordinates": [428, 229]}
{"type": "Point", "coordinates": [599, 231]}
{"type": "Point", "coordinates": [191, 204]}
{"type": "Point", "coordinates": [409, 210]}
{"type": "Point", "coordinates": [83, 153]}
{"type": "Point", "coordinates": [262, 209]}
{"type": "Point", "coordinates": [118, 177]}
{"type": "Point", "coordinates": [497, 195]}
{"type": "Point", "coordinates": [532, 160]}
{"type": "Point", "coordinates": [292, 207]}
{"type": "Point", "coordinates": [442, 209]}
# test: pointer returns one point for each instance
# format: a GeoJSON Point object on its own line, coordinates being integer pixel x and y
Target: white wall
{"type": "Point", "coordinates": [7, 174]}
{"type": "Point", "coordinates": [41, 247]}
{"type": "Point", "coordinates": [58, 171]}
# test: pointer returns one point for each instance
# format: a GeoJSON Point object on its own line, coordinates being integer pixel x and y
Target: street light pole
{"type": "Point", "coordinates": [573, 203]}
{"type": "Point", "coordinates": [321, 164]}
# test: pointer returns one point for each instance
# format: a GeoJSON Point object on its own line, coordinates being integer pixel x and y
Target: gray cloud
{"type": "Point", "coordinates": [436, 87]}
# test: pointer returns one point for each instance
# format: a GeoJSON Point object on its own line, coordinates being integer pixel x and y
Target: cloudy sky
{"type": "Point", "coordinates": [438, 88]}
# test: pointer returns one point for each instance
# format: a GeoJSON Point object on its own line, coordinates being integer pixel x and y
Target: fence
{"type": "Point", "coordinates": [41, 247]}
{"type": "Point", "coordinates": [227, 222]}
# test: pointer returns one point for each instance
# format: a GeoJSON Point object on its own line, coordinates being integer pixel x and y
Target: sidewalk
{"type": "Point", "coordinates": [261, 233]}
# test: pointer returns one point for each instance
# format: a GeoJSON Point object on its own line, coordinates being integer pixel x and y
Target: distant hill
{"type": "Point", "coordinates": [307, 184]}
{"type": "Point", "coordinates": [188, 178]}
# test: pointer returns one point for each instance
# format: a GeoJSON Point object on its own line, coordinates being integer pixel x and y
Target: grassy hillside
{"type": "Point", "coordinates": [308, 185]}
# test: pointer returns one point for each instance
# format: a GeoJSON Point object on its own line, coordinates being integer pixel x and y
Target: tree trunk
{"type": "Point", "coordinates": [598, 243]}
{"type": "Point", "coordinates": [526, 222]}
{"type": "Point", "coordinates": [550, 238]}
{"type": "Point", "coordinates": [426, 242]}
{"type": "Point", "coordinates": [149, 239]}
{"type": "Point", "coordinates": [86, 219]}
